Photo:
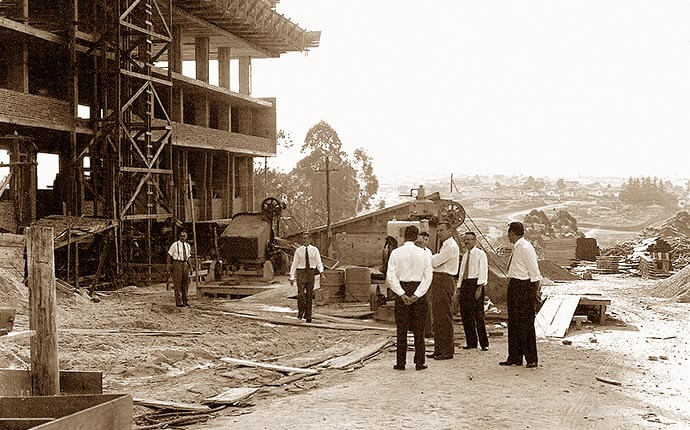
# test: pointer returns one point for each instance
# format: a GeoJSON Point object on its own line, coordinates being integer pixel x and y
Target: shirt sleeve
{"type": "Point", "coordinates": [444, 254]}
{"type": "Point", "coordinates": [293, 268]}
{"type": "Point", "coordinates": [426, 279]}
{"type": "Point", "coordinates": [319, 263]}
{"type": "Point", "coordinates": [483, 275]}
{"type": "Point", "coordinates": [392, 276]}
{"type": "Point", "coordinates": [530, 256]}
{"type": "Point", "coordinates": [170, 250]}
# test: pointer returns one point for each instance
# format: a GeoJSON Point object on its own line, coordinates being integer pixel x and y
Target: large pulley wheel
{"type": "Point", "coordinates": [453, 213]}
{"type": "Point", "coordinates": [271, 207]}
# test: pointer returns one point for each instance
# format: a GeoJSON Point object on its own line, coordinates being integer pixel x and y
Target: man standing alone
{"type": "Point", "coordinates": [523, 281]}
{"type": "Point", "coordinates": [409, 277]}
{"type": "Point", "coordinates": [475, 270]}
{"type": "Point", "coordinates": [445, 266]}
{"type": "Point", "coordinates": [179, 253]}
{"type": "Point", "coordinates": [305, 265]}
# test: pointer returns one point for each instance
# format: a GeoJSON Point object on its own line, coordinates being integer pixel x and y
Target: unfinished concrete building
{"type": "Point", "coordinates": [96, 88]}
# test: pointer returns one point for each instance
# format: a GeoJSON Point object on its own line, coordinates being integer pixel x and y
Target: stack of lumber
{"type": "Point", "coordinates": [649, 270]}
{"type": "Point", "coordinates": [560, 251]}
{"type": "Point", "coordinates": [12, 253]}
{"type": "Point", "coordinates": [608, 263]}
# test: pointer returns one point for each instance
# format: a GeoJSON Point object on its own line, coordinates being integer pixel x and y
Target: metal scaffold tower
{"type": "Point", "coordinates": [130, 153]}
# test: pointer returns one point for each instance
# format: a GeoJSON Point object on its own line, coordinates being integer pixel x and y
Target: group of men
{"type": "Point", "coordinates": [415, 273]}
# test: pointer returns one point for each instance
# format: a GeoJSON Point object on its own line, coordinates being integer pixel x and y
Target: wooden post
{"type": "Point", "coordinates": [196, 255]}
{"type": "Point", "coordinates": [42, 304]}
{"type": "Point", "coordinates": [224, 67]}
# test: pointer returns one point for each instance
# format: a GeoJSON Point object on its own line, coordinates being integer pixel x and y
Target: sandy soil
{"type": "Point", "coordinates": [470, 391]}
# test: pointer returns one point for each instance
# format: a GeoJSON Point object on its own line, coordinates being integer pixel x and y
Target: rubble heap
{"type": "Point", "coordinates": [675, 231]}
{"type": "Point", "coordinates": [538, 226]}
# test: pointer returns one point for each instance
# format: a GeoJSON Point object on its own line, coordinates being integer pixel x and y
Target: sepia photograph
{"type": "Point", "coordinates": [363, 214]}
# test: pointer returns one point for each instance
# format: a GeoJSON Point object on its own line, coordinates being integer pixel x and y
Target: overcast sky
{"type": "Point", "coordinates": [551, 87]}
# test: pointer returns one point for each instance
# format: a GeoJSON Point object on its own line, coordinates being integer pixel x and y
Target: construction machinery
{"type": "Point", "coordinates": [247, 246]}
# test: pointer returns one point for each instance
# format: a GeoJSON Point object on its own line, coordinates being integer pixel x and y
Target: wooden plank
{"type": "Point", "coordinates": [357, 355]}
{"type": "Point", "coordinates": [42, 304]}
{"type": "Point", "coordinates": [231, 396]}
{"type": "Point", "coordinates": [288, 321]}
{"type": "Point", "coordinates": [564, 315]}
{"type": "Point", "coordinates": [17, 382]}
{"type": "Point", "coordinates": [236, 290]}
{"type": "Point", "coordinates": [546, 314]}
{"type": "Point", "coordinates": [278, 368]}
{"type": "Point", "coordinates": [162, 404]}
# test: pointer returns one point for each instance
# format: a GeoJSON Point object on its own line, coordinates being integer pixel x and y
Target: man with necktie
{"type": "Point", "coordinates": [445, 267]}
{"type": "Point", "coordinates": [475, 271]}
{"type": "Point", "coordinates": [305, 265]}
{"type": "Point", "coordinates": [523, 282]}
{"type": "Point", "coordinates": [178, 254]}
{"type": "Point", "coordinates": [409, 276]}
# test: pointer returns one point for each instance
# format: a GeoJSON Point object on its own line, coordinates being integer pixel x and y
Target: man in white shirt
{"type": "Point", "coordinates": [445, 267]}
{"type": "Point", "coordinates": [305, 265]}
{"type": "Point", "coordinates": [523, 281]}
{"type": "Point", "coordinates": [179, 254]}
{"type": "Point", "coordinates": [474, 272]}
{"type": "Point", "coordinates": [409, 276]}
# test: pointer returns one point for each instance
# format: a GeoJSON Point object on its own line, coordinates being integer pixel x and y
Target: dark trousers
{"type": "Point", "coordinates": [522, 339]}
{"type": "Point", "coordinates": [410, 317]}
{"type": "Point", "coordinates": [305, 293]}
{"type": "Point", "coordinates": [442, 288]}
{"type": "Point", "coordinates": [472, 313]}
{"type": "Point", "coordinates": [180, 276]}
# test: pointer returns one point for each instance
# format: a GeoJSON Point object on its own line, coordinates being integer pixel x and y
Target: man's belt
{"type": "Point", "coordinates": [180, 261]}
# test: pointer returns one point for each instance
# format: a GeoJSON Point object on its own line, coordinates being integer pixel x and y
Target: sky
{"type": "Point", "coordinates": [545, 88]}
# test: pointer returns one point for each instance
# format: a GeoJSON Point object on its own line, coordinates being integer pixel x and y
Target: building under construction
{"type": "Point", "coordinates": [96, 88]}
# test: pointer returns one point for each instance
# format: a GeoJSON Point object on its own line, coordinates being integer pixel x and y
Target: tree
{"type": "Point", "coordinates": [352, 179]}
{"type": "Point", "coordinates": [560, 184]}
{"type": "Point", "coordinates": [529, 183]}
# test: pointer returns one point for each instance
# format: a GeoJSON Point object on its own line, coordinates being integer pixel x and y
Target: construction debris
{"type": "Point", "coordinates": [277, 368]}
{"type": "Point", "coordinates": [676, 287]}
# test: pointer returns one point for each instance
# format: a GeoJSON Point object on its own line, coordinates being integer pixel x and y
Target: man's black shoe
{"type": "Point", "coordinates": [509, 363]}
{"type": "Point", "coordinates": [531, 365]}
{"type": "Point", "coordinates": [180, 305]}
{"type": "Point", "coordinates": [485, 348]}
{"type": "Point", "coordinates": [420, 366]}
{"type": "Point", "coordinates": [432, 355]}
{"type": "Point", "coordinates": [469, 347]}
{"type": "Point", "coordinates": [399, 367]}
{"type": "Point", "coordinates": [443, 357]}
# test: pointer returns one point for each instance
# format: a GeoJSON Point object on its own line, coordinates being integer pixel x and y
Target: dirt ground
{"type": "Point", "coordinates": [470, 391]}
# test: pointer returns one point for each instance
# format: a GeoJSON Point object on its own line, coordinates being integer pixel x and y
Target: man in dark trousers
{"type": "Point", "coordinates": [474, 272]}
{"type": "Point", "coordinates": [305, 265]}
{"type": "Point", "coordinates": [179, 254]}
{"type": "Point", "coordinates": [523, 282]}
{"type": "Point", "coordinates": [409, 276]}
{"type": "Point", "coordinates": [445, 267]}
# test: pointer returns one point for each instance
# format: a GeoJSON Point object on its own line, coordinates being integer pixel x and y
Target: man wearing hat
{"type": "Point", "coordinates": [178, 255]}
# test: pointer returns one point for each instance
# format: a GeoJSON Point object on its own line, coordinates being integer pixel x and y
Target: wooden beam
{"type": "Point", "coordinates": [45, 373]}
{"type": "Point", "coordinates": [245, 75]}
{"type": "Point", "coordinates": [176, 50]}
{"type": "Point", "coordinates": [201, 57]}
{"type": "Point", "coordinates": [284, 369]}
{"type": "Point", "coordinates": [224, 67]}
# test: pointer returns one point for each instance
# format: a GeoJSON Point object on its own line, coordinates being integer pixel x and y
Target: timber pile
{"type": "Point", "coordinates": [676, 286]}
{"type": "Point", "coordinates": [12, 249]}
{"type": "Point", "coordinates": [71, 229]}
{"type": "Point", "coordinates": [648, 269]}
{"type": "Point", "coordinates": [560, 251]}
{"type": "Point", "coordinates": [608, 264]}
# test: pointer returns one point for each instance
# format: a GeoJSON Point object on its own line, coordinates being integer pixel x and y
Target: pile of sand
{"type": "Point", "coordinates": [13, 292]}
{"type": "Point", "coordinates": [553, 271]}
{"type": "Point", "coordinates": [676, 286]}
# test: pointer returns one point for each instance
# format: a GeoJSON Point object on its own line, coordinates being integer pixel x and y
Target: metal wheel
{"type": "Point", "coordinates": [271, 207]}
{"type": "Point", "coordinates": [453, 213]}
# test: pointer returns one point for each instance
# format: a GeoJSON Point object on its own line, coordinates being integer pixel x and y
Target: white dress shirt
{"type": "Point", "coordinates": [478, 268]}
{"type": "Point", "coordinates": [180, 251]}
{"type": "Point", "coordinates": [299, 261]}
{"type": "Point", "coordinates": [409, 263]}
{"type": "Point", "coordinates": [446, 261]}
{"type": "Point", "coordinates": [523, 262]}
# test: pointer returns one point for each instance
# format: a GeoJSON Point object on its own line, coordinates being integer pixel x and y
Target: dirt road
{"type": "Point", "coordinates": [472, 391]}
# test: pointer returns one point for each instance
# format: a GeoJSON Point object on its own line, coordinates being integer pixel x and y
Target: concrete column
{"type": "Point", "coordinates": [175, 50]}
{"type": "Point", "coordinates": [245, 75]}
{"type": "Point", "coordinates": [224, 67]}
{"type": "Point", "coordinates": [202, 110]}
{"type": "Point", "coordinates": [224, 117]}
{"type": "Point", "coordinates": [202, 52]}
{"type": "Point", "coordinates": [177, 109]}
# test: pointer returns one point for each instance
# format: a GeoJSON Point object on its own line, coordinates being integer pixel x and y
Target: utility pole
{"type": "Point", "coordinates": [329, 233]}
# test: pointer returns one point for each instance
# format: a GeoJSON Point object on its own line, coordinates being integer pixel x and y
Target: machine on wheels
{"type": "Point", "coordinates": [247, 246]}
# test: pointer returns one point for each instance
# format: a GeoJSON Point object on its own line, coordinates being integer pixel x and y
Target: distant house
{"type": "Point", "coordinates": [552, 193]}
{"type": "Point", "coordinates": [481, 204]}
{"type": "Point", "coordinates": [533, 194]}
{"type": "Point", "coordinates": [596, 193]}
{"type": "Point", "coordinates": [655, 209]}
{"type": "Point", "coordinates": [683, 203]}
{"type": "Point", "coordinates": [568, 193]}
